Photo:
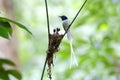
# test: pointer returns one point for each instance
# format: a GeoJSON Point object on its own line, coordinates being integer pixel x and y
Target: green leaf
{"type": "Point", "coordinates": [18, 24]}
{"type": "Point", "coordinates": [5, 29]}
{"type": "Point", "coordinates": [5, 61]}
{"type": "Point", "coordinates": [3, 74]}
{"type": "Point", "coordinates": [103, 26]}
{"type": "Point", "coordinates": [15, 73]}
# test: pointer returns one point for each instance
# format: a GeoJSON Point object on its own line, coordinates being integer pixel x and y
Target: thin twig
{"type": "Point", "coordinates": [48, 26]}
{"type": "Point", "coordinates": [46, 6]}
{"type": "Point", "coordinates": [44, 68]}
{"type": "Point", "coordinates": [75, 16]}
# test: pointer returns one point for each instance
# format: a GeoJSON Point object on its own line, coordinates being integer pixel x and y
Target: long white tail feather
{"type": "Point", "coordinates": [69, 36]}
{"type": "Point", "coordinates": [73, 60]}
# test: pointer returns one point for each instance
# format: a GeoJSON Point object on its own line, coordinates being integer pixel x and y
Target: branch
{"type": "Point", "coordinates": [46, 6]}
{"type": "Point", "coordinates": [44, 68]}
{"type": "Point", "coordinates": [75, 17]}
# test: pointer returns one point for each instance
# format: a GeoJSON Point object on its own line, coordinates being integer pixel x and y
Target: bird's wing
{"type": "Point", "coordinates": [66, 24]}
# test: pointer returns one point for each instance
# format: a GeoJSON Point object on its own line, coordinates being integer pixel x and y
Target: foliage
{"type": "Point", "coordinates": [4, 73]}
{"type": "Point", "coordinates": [5, 24]}
{"type": "Point", "coordinates": [6, 32]}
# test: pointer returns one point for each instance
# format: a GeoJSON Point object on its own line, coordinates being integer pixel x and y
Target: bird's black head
{"type": "Point", "coordinates": [63, 17]}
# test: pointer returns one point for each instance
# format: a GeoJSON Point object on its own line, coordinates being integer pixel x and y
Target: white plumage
{"type": "Point", "coordinates": [66, 24]}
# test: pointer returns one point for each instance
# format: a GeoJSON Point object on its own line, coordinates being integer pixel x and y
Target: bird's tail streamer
{"type": "Point", "coordinates": [73, 60]}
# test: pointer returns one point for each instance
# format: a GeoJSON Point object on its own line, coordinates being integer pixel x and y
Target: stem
{"type": "Point", "coordinates": [46, 6]}
{"type": "Point", "coordinates": [44, 68]}
{"type": "Point", "coordinates": [75, 17]}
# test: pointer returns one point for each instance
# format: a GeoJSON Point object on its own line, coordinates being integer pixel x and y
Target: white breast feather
{"type": "Point", "coordinates": [66, 23]}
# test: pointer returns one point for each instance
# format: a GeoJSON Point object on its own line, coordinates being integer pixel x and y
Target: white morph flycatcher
{"type": "Point", "coordinates": [66, 24]}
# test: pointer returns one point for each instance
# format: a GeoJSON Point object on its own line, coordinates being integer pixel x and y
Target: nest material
{"type": "Point", "coordinates": [55, 40]}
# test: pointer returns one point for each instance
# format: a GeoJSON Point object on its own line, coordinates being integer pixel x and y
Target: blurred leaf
{"type": "Point", "coordinates": [112, 72]}
{"type": "Point", "coordinates": [110, 51]}
{"type": "Point", "coordinates": [5, 29]}
{"type": "Point", "coordinates": [3, 74]}
{"type": "Point", "coordinates": [15, 73]}
{"type": "Point", "coordinates": [83, 59]}
{"type": "Point", "coordinates": [81, 21]}
{"type": "Point", "coordinates": [68, 73]}
{"type": "Point", "coordinates": [103, 26]}
{"type": "Point", "coordinates": [105, 60]}
{"type": "Point", "coordinates": [18, 24]}
{"type": "Point", "coordinates": [79, 41]}
{"type": "Point", "coordinates": [5, 61]}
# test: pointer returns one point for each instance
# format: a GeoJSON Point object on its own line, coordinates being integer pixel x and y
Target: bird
{"type": "Point", "coordinates": [66, 24]}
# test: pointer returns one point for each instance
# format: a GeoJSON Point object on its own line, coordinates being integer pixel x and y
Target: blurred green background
{"type": "Point", "coordinates": [96, 34]}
